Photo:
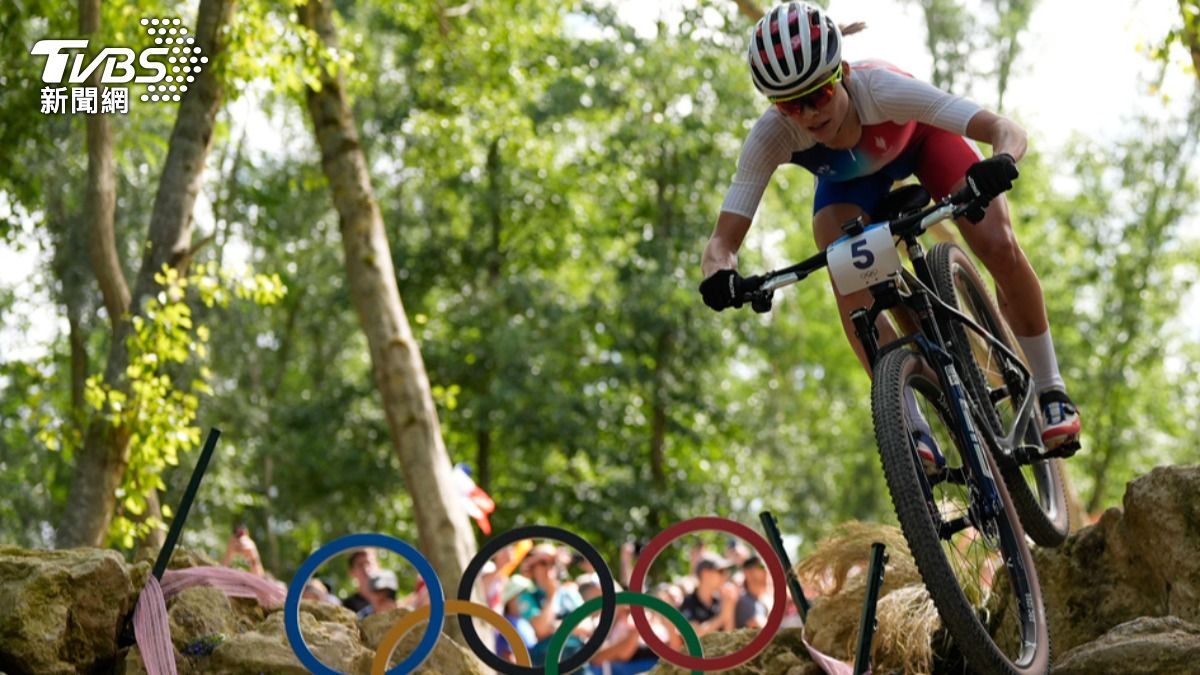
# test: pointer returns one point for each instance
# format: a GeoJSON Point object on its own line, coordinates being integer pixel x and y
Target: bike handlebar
{"type": "Point", "coordinates": [758, 289]}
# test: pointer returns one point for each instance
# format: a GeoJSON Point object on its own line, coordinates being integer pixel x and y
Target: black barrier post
{"type": "Point", "coordinates": [772, 529]}
{"type": "Point", "coordinates": [164, 556]}
{"type": "Point", "coordinates": [866, 627]}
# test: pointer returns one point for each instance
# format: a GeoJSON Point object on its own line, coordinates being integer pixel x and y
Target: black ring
{"type": "Point", "coordinates": [608, 597]}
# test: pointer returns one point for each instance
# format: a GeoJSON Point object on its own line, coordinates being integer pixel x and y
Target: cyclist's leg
{"type": "Point", "coordinates": [838, 202]}
{"type": "Point", "coordinates": [835, 203]}
{"type": "Point", "coordinates": [942, 166]}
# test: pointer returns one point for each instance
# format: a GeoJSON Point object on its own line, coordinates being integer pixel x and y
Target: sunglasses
{"type": "Point", "coordinates": [813, 98]}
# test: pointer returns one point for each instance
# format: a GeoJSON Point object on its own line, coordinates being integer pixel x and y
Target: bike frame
{"type": "Point", "coordinates": [934, 347]}
{"type": "Point", "coordinates": [932, 314]}
{"type": "Point", "coordinates": [974, 435]}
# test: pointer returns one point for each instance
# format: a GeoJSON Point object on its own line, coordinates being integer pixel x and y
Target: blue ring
{"type": "Point", "coordinates": [437, 599]}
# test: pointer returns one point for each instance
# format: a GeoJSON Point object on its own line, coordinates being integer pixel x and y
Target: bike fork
{"type": "Point", "coordinates": [983, 479]}
{"type": "Point", "coordinates": [887, 296]}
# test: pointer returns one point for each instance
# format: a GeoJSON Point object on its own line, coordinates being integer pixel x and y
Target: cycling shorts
{"type": "Point", "coordinates": [938, 157]}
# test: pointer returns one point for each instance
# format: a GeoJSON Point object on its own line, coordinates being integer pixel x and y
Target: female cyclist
{"type": "Point", "coordinates": [859, 127]}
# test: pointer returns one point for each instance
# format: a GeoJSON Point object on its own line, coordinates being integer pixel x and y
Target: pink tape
{"type": "Point", "coordinates": [153, 631]}
{"type": "Point", "coordinates": [151, 627]}
{"type": "Point", "coordinates": [827, 663]}
{"type": "Point", "coordinates": [234, 583]}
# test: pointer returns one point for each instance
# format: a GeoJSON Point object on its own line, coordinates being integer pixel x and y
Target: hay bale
{"type": "Point", "coordinates": [837, 571]}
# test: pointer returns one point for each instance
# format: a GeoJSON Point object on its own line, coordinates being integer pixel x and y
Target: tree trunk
{"type": "Point", "coordinates": [101, 197]}
{"type": "Point", "coordinates": [1191, 31]}
{"type": "Point", "coordinates": [444, 532]}
{"type": "Point", "coordinates": [100, 467]}
{"type": "Point", "coordinates": [69, 234]}
{"type": "Point", "coordinates": [149, 546]}
{"type": "Point", "coordinates": [749, 9]}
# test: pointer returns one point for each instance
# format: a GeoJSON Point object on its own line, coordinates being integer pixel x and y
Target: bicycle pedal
{"type": "Point", "coordinates": [1027, 454]}
{"type": "Point", "coordinates": [1064, 451]}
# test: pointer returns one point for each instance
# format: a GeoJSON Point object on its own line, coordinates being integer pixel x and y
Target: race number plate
{"type": "Point", "coordinates": [859, 262]}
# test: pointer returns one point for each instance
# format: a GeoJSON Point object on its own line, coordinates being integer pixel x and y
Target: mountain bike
{"type": "Point", "coordinates": [957, 369]}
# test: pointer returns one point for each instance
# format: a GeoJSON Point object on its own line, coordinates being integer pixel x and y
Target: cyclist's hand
{"type": "Point", "coordinates": [975, 212]}
{"type": "Point", "coordinates": [992, 176]}
{"type": "Point", "coordinates": [722, 289]}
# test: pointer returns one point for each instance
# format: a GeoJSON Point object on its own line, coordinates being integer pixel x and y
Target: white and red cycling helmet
{"type": "Point", "coordinates": [793, 47]}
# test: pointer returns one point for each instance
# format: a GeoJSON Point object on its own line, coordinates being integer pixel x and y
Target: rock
{"type": "Point", "coordinates": [132, 664]}
{"type": "Point", "coordinates": [198, 613]}
{"type": "Point", "coordinates": [182, 557]}
{"type": "Point", "coordinates": [1144, 646]}
{"type": "Point", "coordinates": [448, 657]}
{"type": "Point", "coordinates": [324, 611]}
{"type": "Point", "coordinates": [252, 653]}
{"type": "Point", "coordinates": [1139, 562]}
{"type": "Point", "coordinates": [785, 655]}
{"type": "Point", "coordinates": [333, 643]}
{"type": "Point", "coordinates": [1162, 529]}
{"type": "Point", "coordinates": [61, 611]}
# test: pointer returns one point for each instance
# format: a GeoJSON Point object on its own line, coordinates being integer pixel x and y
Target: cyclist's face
{"type": "Point", "coordinates": [824, 121]}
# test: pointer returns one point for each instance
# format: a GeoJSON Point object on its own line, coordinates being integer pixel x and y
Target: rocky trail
{"type": "Point", "coordinates": [1123, 597]}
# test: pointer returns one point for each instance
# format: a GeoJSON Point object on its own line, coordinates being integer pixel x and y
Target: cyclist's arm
{"type": "Point", "coordinates": [1003, 134]}
{"type": "Point", "coordinates": [770, 143]}
{"type": "Point", "coordinates": [899, 98]}
{"type": "Point", "coordinates": [722, 248]}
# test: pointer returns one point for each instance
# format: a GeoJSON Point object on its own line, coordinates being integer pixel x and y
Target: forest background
{"type": "Point", "coordinates": [405, 234]}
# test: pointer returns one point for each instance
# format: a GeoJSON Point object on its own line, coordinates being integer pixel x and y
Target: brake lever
{"type": "Point", "coordinates": [752, 290]}
{"type": "Point", "coordinates": [761, 301]}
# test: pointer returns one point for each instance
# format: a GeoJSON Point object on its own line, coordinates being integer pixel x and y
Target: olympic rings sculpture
{"type": "Point", "coordinates": [435, 613]}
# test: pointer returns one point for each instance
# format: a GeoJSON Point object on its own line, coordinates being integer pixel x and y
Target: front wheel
{"type": "Point", "coordinates": [964, 558]}
{"type": "Point", "coordinates": [1037, 488]}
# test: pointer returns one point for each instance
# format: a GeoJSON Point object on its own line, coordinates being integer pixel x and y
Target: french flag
{"type": "Point", "coordinates": [477, 502]}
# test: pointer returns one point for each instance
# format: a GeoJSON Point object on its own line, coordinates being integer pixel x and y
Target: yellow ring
{"type": "Point", "coordinates": [383, 653]}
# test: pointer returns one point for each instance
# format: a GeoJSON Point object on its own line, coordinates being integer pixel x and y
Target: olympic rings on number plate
{"type": "Point", "coordinates": [435, 613]}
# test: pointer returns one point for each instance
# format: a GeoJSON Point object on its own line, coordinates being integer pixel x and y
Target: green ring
{"type": "Point", "coordinates": [559, 639]}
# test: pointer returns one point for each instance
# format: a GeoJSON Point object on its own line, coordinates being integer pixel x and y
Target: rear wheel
{"type": "Point", "coordinates": [1037, 488]}
{"type": "Point", "coordinates": [964, 558]}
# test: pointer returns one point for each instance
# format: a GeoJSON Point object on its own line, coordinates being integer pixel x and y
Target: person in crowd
{"type": "Point", "coordinates": [382, 587]}
{"type": "Point", "coordinates": [515, 598]}
{"type": "Point", "coordinates": [629, 551]}
{"type": "Point", "coordinates": [623, 652]}
{"type": "Point", "coordinates": [317, 591]}
{"type": "Point", "coordinates": [492, 582]}
{"type": "Point", "coordinates": [710, 608]}
{"type": "Point", "coordinates": [672, 594]}
{"type": "Point", "coordinates": [241, 549]}
{"type": "Point", "coordinates": [736, 552]}
{"type": "Point", "coordinates": [362, 563]}
{"type": "Point", "coordinates": [418, 598]}
{"type": "Point", "coordinates": [752, 606]}
{"type": "Point", "coordinates": [551, 600]}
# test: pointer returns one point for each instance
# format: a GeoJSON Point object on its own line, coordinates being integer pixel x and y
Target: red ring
{"type": "Point", "coordinates": [764, 550]}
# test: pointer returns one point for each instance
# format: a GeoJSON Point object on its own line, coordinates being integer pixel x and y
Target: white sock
{"type": "Point", "coordinates": [1039, 351]}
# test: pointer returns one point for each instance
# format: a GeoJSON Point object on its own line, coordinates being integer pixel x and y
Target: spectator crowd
{"type": "Point", "coordinates": [536, 586]}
